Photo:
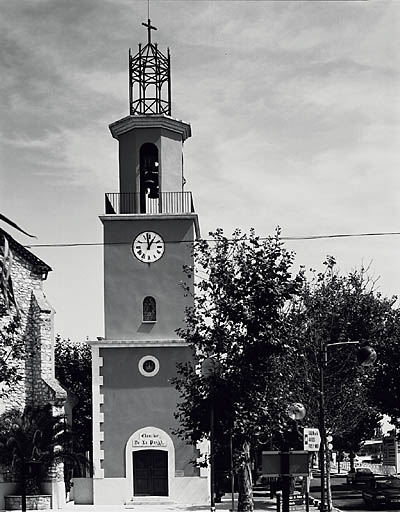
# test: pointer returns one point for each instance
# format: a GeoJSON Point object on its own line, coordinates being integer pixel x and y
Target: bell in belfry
{"type": "Point", "coordinates": [151, 181]}
{"type": "Point", "coordinates": [154, 192]}
{"type": "Point", "coordinates": [149, 173]}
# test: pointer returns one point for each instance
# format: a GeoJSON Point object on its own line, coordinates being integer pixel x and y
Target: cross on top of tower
{"type": "Point", "coordinates": [149, 29]}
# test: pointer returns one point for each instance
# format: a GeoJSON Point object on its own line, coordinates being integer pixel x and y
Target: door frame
{"type": "Point", "coordinates": [130, 449]}
{"type": "Point", "coordinates": [164, 455]}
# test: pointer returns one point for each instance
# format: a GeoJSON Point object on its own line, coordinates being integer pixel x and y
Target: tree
{"type": "Point", "coordinates": [32, 443]}
{"type": "Point", "coordinates": [73, 367]}
{"type": "Point", "coordinates": [12, 350]}
{"type": "Point", "coordinates": [336, 309]}
{"type": "Point", "coordinates": [385, 391]}
{"type": "Point", "coordinates": [352, 440]}
{"type": "Point", "coordinates": [12, 347]}
{"type": "Point", "coordinates": [241, 305]}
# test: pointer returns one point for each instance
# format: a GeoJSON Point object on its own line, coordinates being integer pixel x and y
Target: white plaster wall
{"type": "Point", "coordinates": [171, 165]}
{"type": "Point", "coordinates": [111, 491]}
{"type": "Point", "coordinates": [82, 491]}
{"type": "Point", "coordinates": [190, 490]}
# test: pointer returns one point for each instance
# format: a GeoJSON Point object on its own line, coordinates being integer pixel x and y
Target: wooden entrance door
{"type": "Point", "coordinates": [150, 473]}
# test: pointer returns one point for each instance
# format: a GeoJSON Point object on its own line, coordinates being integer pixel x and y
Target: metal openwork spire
{"type": "Point", "coordinates": [149, 79]}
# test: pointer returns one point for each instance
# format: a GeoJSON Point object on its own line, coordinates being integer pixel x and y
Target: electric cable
{"type": "Point", "coordinates": [283, 238]}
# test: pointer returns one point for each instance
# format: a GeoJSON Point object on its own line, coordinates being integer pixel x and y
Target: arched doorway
{"type": "Point", "coordinates": [150, 472]}
{"type": "Point", "coordinates": [150, 439]}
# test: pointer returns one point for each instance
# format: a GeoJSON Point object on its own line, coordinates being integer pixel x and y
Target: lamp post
{"type": "Point", "coordinates": [295, 412]}
{"type": "Point", "coordinates": [366, 356]}
{"type": "Point", "coordinates": [209, 368]}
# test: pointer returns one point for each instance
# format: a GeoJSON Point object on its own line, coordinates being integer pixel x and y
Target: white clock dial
{"type": "Point", "coordinates": [148, 247]}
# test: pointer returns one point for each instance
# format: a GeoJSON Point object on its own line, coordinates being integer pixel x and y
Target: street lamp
{"type": "Point", "coordinates": [366, 356]}
{"type": "Point", "coordinates": [209, 368]}
{"type": "Point", "coordinates": [295, 412]}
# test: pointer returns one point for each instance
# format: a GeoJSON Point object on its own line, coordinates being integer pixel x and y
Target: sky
{"type": "Point", "coordinates": [295, 115]}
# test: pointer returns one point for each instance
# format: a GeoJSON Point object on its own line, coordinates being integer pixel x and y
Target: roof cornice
{"type": "Point", "coordinates": [112, 343]}
{"type": "Point", "coordinates": [136, 122]}
{"type": "Point", "coordinates": [153, 216]}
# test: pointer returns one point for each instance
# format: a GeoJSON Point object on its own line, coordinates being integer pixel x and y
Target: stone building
{"type": "Point", "coordinates": [37, 384]}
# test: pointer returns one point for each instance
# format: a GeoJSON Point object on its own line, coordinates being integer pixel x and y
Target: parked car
{"type": "Point", "coordinates": [359, 476]}
{"type": "Point", "coordinates": [382, 491]}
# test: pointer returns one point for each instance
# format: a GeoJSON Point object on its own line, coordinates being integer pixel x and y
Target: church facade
{"type": "Point", "coordinates": [149, 229]}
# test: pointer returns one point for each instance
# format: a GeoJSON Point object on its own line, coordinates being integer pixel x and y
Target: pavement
{"type": "Point", "coordinates": [260, 504]}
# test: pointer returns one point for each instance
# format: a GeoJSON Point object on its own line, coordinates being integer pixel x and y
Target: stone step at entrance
{"type": "Point", "coordinates": [148, 500]}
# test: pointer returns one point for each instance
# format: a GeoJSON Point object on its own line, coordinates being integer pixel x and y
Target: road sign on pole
{"type": "Point", "coordinates": [293, 463]}
{"type": "Point", "coordinates": [311, 439]}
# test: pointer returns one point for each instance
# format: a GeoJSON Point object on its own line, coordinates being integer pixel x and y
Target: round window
{"type": "Point", "coordinates": [149, 366]}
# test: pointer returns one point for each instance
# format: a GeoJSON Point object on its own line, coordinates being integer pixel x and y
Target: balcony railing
{"type": "Point", "coordinates": [132, 202]}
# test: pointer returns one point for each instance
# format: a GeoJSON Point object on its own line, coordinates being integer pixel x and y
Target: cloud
{"type": "Point", "coordinates": [294, 105]}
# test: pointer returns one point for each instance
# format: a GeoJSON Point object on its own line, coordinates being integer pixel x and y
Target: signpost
{"type": "Point", "coordinates": [311, 439]}
{"type": "Point", "coordinates": [287, 465]}
{"type": "Point", "coordinates": [293, 463]}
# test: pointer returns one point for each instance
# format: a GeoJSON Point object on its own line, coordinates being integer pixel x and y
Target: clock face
{"type": "Point", "coordinates": [148, 247]}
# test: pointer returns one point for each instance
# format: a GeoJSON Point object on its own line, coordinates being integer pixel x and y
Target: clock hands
{"type": "Point", "coordinates": [148, 241]}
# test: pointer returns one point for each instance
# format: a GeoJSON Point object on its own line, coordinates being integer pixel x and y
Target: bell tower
{"type": "Point", "coordinates": [149, 228]}
{"type": "Point", "coordinates": [150, 141]}
{"type": "Point", "coordinates": [151, 200]}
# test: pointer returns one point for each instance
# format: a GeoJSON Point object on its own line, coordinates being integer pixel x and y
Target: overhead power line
{"type": "Point", "coordinates": [340, 235]}
{"type": "Point", "coordinates": [284, 238]}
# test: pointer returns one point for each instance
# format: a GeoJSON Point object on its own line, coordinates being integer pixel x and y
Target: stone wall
{"type": "Point", "coordinates": [38, 385]}
{"type": "Point", "coordinates": [40, 502]}
{"type": "Point", "coordinates": [25, 279]}
{"type": "Point", "coordinates": [41, 384]}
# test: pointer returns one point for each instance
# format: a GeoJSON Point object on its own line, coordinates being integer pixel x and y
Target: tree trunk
{"type": "Point", "coordinates": [352, 457]}
{"type": "Point", "coordinates": [245, 482]}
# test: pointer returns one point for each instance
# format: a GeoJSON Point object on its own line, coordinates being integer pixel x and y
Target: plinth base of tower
{"type": "Point", "coordinates": [118, 491]}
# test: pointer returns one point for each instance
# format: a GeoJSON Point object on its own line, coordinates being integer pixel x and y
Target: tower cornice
{"type": "Point", "coordinates": [134, 122]}
{"type": "Point", "coordinates": [131, 217]}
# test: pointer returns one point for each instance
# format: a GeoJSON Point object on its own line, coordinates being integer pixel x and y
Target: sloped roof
{"type": "Point", "coordinates": [18, 248]}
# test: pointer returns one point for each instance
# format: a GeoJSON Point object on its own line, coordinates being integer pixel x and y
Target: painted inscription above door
{"type": "Point", "coordinates": [148, 439]}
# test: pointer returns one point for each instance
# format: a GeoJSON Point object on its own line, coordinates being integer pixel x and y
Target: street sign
{"type": "Point", "coordinates": [311, 439]}
{"type": "Point", "coordinates": [294, 463]}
